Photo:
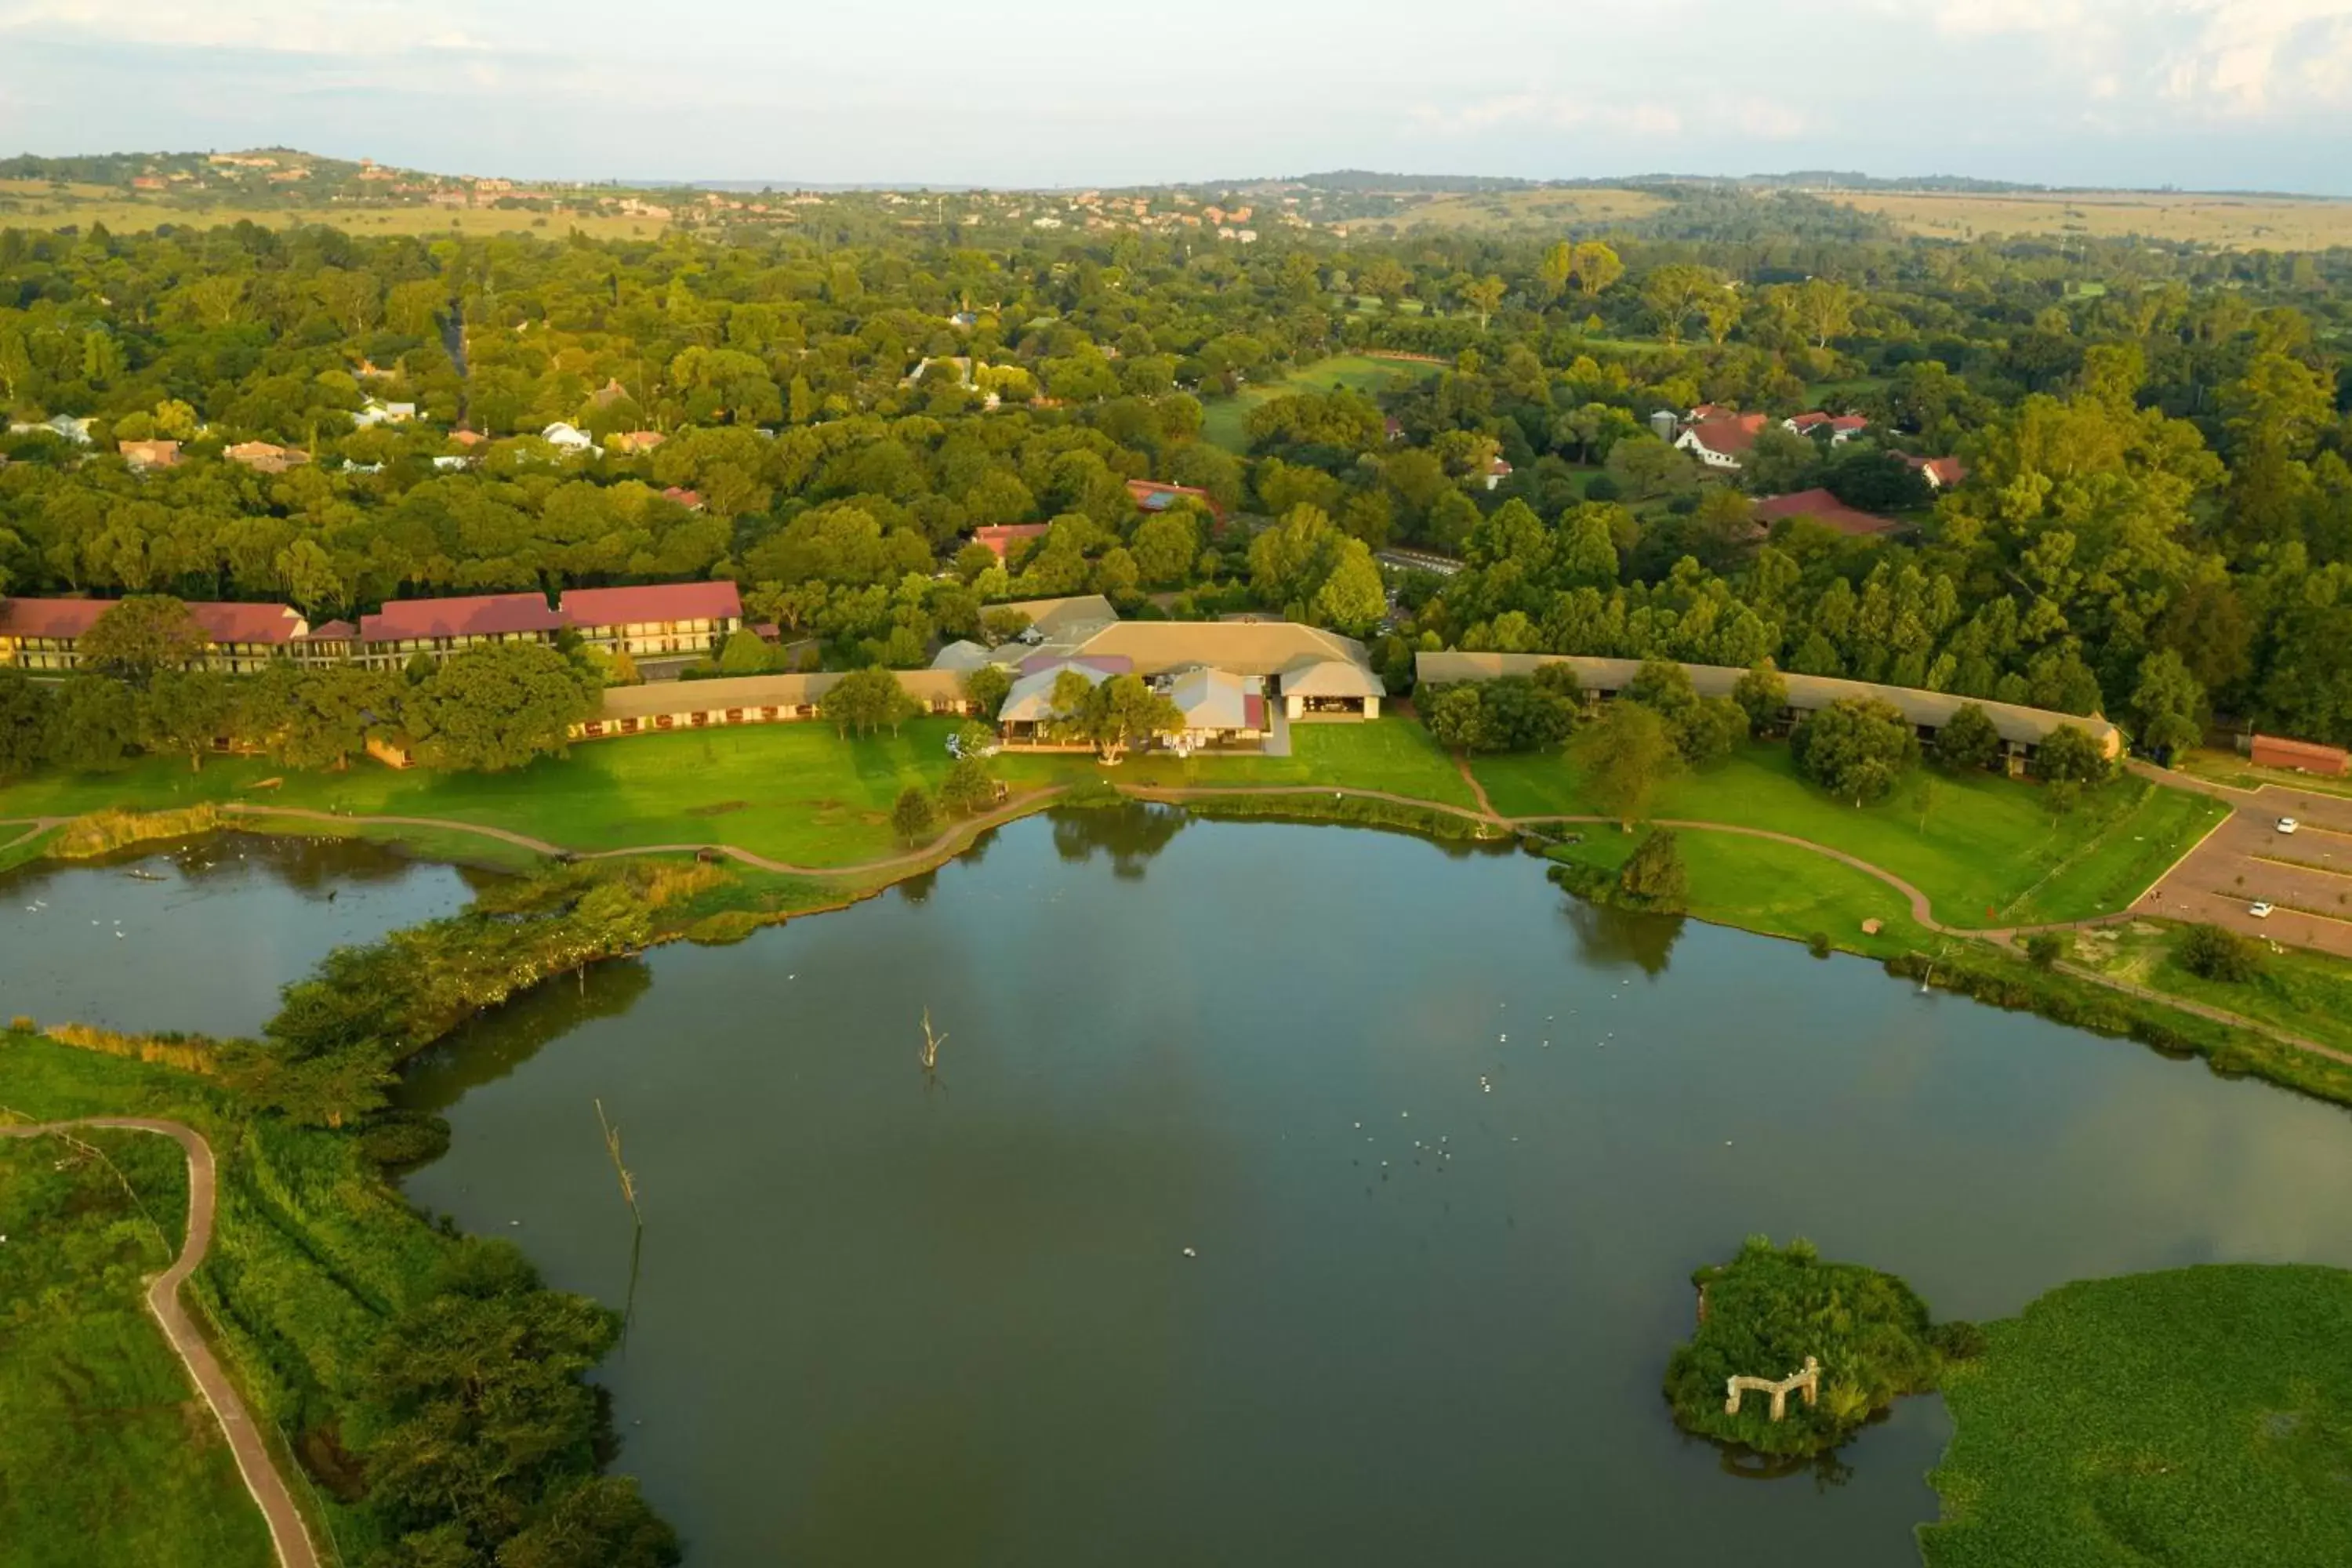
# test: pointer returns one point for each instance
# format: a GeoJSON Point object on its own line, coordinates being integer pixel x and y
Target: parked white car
{"type": "Point", "coordinates": [2288, 825]}
{"type": "Point", "coordinates": [2259, 911]}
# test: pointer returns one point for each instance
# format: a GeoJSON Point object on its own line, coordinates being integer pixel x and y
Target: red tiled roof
{"type": "Point", "coordinates": [248, 623]}
{"type": "Point", "coordinates": [220, 622]}
{"type": "Point", "coordinates": [1734, 433]}
{"type": "Point", "coordinates": [690, 500]}
{"type": "Point", "coordinates": [1826, 510]}
{"type": "Point", "coordinates": [1253, 712]}
{"type": "Point", "coordinates": [483, 614]}
{"type": "Point", "coordinates": [1807, 421]}
{"type": "Point", "coordinates": [1001, 536]}
{"type": "Point", "coordinates": [334, 631]}
{"type": "Point", "coordinates": [50, 617]}
{"type": "Point", "coordinates": [1945, 472]}
{"type": "Point", "coordinates": [1849, 423]}
{"type": "Point", "coordinates": [658, 602]}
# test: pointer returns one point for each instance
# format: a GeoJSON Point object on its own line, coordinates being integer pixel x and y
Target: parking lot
{"type": "Point", "coordinates": [2306, 876]}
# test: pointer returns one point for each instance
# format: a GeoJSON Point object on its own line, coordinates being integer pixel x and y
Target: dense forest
{"type": "Point", "coordinates": [2157, 522]}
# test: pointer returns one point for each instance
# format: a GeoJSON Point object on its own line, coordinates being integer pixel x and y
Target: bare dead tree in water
{"type": "Point", "coordinates": [929, 1054]}
{"type": "Point", "coordinates": [636, 1217]}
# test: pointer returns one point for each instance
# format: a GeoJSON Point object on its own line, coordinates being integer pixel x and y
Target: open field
{"type": "Point", "coordinates": [2193, 1418]}
{"type": "Point", "coordinates": [1986, 851]}
{"type": "Point", "coordinates": [796, 792]}
{"type": "Point", "coordinates": [1777, 889]}
{"type": "Point", "coordinates": [1224, 419]}
{"type": "Point", "coordinates": [1582, 209]}
{"type": "Point", "coordinates": [108, 1455]}
{"type": "Point", "coordinates": [2230, 223]}
{"type": "Point", "coordinates": [37, 203]}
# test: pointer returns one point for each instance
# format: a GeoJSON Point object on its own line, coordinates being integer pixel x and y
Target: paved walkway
{"type": "Point", "coordinates": [253, 1460]}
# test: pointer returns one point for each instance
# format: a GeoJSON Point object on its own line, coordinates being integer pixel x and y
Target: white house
{"type": "Point", "coordinates": [566, 438]}
{"type": "Point", "coordinates": [1723, 441]}
{"type": "Point", "coordinates": [63, 424]}
{"type": "Point", "coordinates": [374, 414]}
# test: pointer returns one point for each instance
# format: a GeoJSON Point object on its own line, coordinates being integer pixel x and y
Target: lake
{"type": "Point", "coordinates": [199, 936]}
{"type": "Point", "coordinates": [1294, 1194]}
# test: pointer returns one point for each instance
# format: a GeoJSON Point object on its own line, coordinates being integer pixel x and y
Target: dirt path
{"type": "Point", "coordinates": [40, 825]}
{"type": "Point", "coordinates": [253, 1461]}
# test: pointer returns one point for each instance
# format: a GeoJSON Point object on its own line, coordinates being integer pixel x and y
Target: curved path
{"type": "Point", "coordinates": [943, 845]}
{"type": "Point", "coordinates": [34, 827]}
{"type": "Point", "coordinates": [253, 1461]}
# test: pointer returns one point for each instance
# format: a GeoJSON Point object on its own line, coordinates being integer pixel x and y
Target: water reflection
{"type": "Point", "coordinates": [1130, 834]}
{"type": "Point", "coordinates": [1610, 938]}
{"type": "Point", "coordinates": [490, 1046]}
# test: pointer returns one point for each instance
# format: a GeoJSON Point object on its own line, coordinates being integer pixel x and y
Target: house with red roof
{"type": "Point", "coordinates": [1000, 537]}
{"type": "Point", "coordinates": [658, 620]}
{"type": "Point", "coordinates": [1824, 508]}
{"type": "Point", "coordinates": [1721, 443]}
{"type": "Point", "coordinates": [1497, 470]}
{"type": "Point", "coordinates": [266, 457]}
{"type": "Point", "coordinates": [45, 634]}
{"type": "Point", "coordinates": [144, 454]}
{"type": "Point", "coordinates": [1942, 473]}
{"type": "Point", "coordinates": [679, 495]}
{"type": "Point", "coordinates": [631, 443]}
{"type": "Point", "coordinates": [439, 627]}
{"type": "Point", "coordinates": [1840, 427]}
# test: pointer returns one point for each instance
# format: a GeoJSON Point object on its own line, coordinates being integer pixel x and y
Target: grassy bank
{"type": "Point", "coordinates": [2309, 994]}
{"type": "Point", "coordinates": [2194, 1418]}
{"type": "Point", "coordinates": [321, 1287]}
{"type": "Point", "coordinates": [1773, 890]}
{"type": "Point", "coordinates": [130, 1464]}
{"type": "Point", "coordinates": [1986, 851]}
{"type": "Point", "coordinates": [795, 793]}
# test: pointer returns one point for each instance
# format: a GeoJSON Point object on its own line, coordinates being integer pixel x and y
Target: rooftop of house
{"type": "Point", "coordinates": [679, 697]}
{"type": "Point", "coordinates": [223, 623]}
{"type": "Point", "coordinates": [653, 602]}
{"type": "Point", "coordinates": [1728, 434]}
{"type": "Point", "coordinates": [483, 614]}
{"type": "Point", "coordinates": [1155, 495]}
{"type": "Point", "coordinates": [1824, 508]}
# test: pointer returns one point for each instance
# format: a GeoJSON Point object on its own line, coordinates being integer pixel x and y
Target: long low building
{"type": "Point", "coordinates": [2022, 730]}
{"type": "Point", "coordinates": [676, 619]}
{"type": "Point", "coordinates": [748, 699]}
{"type": "Point", "coordinates": [45, 634]}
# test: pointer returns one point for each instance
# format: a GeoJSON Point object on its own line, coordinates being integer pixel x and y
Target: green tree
{"type": "Point", "coordinates": [141, 635]}
{"type": "Point", "coordinates": [1762, 694]}
{"type": "Point", "coordinates": [968, 789]}
{"type": "Point", "coordinates": [987, 688]}
{"type": "Point", "coordinates": [24, 722]}
{"type": "Point", "coordinates": [497, 706]}
{"type": "Point", "coordinates": [1117, 713]}
{"type": "Point", "coordinates": [93, 725]}
{"type": "Point", "coordinates": [2068, 756]}
{"type": "Point", "coordinates": [2168, 703]}
{"type": "Point", "coordinates": [865, 700]}
{"type": "Point", "coordinates": [1858, 748]}
{"type": "Point", "coordinates": [1969, 742]}
{"type": "Point", "coordinates": [1352, 599]}
{"type": "Point", "coordinates": [2209, 952]}
{"type": "Point", "coordinates": [186, 710]}
{"type": "Point", "coordinates": [914, 817]}
{"type": "Point", "coordinates": [746, 653]}
{"type": "Point", "coordinates": [315, 717]}
{"type": "Point", "coordinates": [1653, 876]}
{"type": "Point", "coordinates": [1627, 754]}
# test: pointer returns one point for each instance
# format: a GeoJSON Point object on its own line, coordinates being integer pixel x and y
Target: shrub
{"type": "Point", "coordinates": [2046, 948]}
{"type": "Point", "coordinates": [725, 927]}
{"type": "Point", "coordinates": [1968, 740]}
{"type": "Point", "coordinates": [1769, 1309]}
{"type": "Point", "coordinates": [914, 818]}
{"type": "Point", "coordinates": [1818, 944]}
{"type": "Point", "coordinates": [1858, 748]}
{"type": "Point", "coordinates": [1654, 877]}
{"type": "Point", "coordinates": [2212, 954]}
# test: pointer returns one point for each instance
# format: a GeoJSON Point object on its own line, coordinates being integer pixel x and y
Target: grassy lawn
{"type": "Point", "coordinates": [2193, 1418]}
{"type": "Point", "coordinates": [1777, 889]}
{"type": "Point", "coordinates": [1224, 419]}
{"type": "Point", "coordinates": [2307, 994]}
{"type": "Point", "coordinates": [108, 1454]}
{"type": "Point", "coordinates": [793, 791]}
{"type": "Point", "coordinates": [1972, 844]}
{"type": "Point", "coordinates": [797, 793]}
{"type": "Point", "coordinates": [2231, 769]}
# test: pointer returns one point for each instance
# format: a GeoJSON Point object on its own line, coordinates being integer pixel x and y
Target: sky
{"type": "Point", "coordinates": [2204, 94]}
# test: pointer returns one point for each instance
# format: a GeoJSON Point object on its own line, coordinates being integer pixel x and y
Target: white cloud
{"type": "Point", "coordinates": [2225, 58]}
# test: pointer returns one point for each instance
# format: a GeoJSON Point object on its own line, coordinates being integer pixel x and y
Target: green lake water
{"type": "Point", "coordinates": [1443, 1149]}
{"type": "Point", "coordinates": [1443, 1146]}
